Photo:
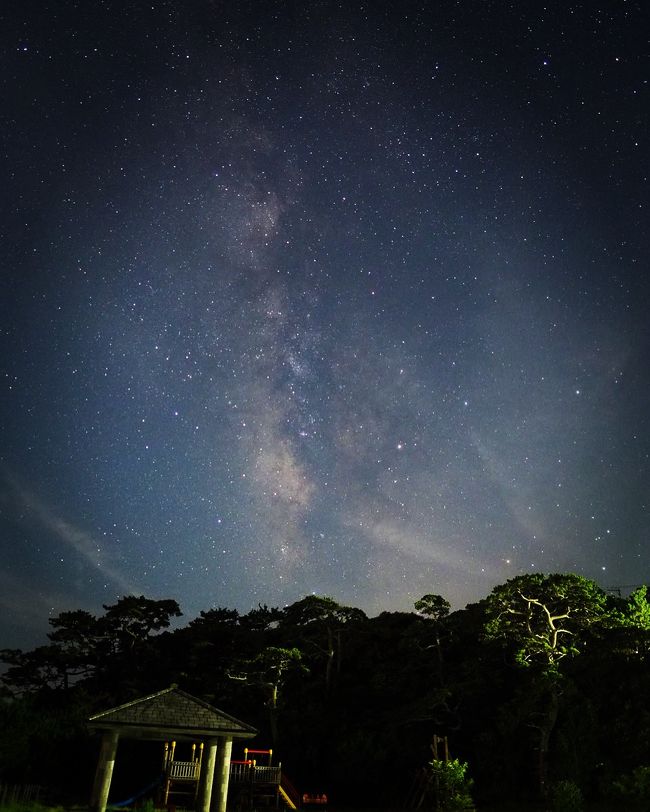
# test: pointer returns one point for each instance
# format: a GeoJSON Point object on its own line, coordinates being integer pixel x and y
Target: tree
{"type": "Point", "coordinates": [78, 636]}
{"type": "Point", "coordinates": [261, 619]}
{"type": "Point", "coordinates": [219, 617]}
{"type": "Point", "coordinates": [269, 670]}
{"type": "Point", "coordinates": [433, 607]}
{"type": "Point", "coordinates": [639, 608]}
{"type": "Point", "coordinates": [45, 667]}
{"type": "Point", "coordinates": [635, 621]}
{"type": "Point", "coordinates": [320, 621]}
{"type": "Point", "coordinates": [131, 620]}
{"type": "Point", "coordinates": [449, 785]}
{"type": "Point", "coordinates": [72, 655]}
{"type": "Point", "coordinates": [543, 619]}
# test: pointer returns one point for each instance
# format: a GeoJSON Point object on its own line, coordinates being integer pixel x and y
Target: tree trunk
{"type": "Point", "coordinates": [330, 662]}
{"type": "Point", "coordinates": [545, 728]}
{"type": "Point", "coordinates": [273, 716]}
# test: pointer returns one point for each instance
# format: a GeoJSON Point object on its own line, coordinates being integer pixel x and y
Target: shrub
{"type": "Point", "coordinates": [450, 782]}
{"type": "Point", "coordinates": [566, 797]}
{"type": "Point", "coordinates": [634, 787]}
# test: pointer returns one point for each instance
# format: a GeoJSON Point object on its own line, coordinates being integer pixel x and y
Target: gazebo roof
{"type": "Point", "coordinates": [170, 714]}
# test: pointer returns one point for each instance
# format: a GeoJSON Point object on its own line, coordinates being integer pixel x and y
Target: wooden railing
{"type": "Point", "coordinates": [252, 774]}
{"type": "Point", "coordinates": [18, 794]}
{"type": "Point", "coordinates": [266, 775]}
{"type": "Point", "coordinates": [188, 770]}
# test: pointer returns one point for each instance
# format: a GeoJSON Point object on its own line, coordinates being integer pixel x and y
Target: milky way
{"type": "Point", "coordinates": [321, 297]}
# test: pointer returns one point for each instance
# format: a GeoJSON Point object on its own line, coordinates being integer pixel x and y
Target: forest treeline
{"type": "Point", "coordinates": [544, 680]}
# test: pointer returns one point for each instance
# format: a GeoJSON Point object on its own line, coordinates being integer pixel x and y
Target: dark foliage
{"type": "Point", "coordinates": [542, 682]}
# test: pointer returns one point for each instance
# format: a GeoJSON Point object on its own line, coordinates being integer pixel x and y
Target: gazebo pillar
{"type": "Point", "coordinates": [206, 776]}
{"type": "Point", "coordinates": [222, 774]}
{"type": "Point", "coordinates": [104, 771]}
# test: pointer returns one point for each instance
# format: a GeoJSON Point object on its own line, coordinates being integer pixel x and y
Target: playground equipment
{"type": "Point", "coordinates": [254, 781]}
{"type": "Point", "coordinates": [255, 784]}
{"type": "Point", "coordinates": [181, 778]}
{"type": "Point", "coordinates": [171, 713]}
{"type": "Point", "coordinates": [318, 799]}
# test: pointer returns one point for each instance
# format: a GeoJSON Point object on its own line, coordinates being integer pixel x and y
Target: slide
{"type": "Point", "coordinates": [286, 798]}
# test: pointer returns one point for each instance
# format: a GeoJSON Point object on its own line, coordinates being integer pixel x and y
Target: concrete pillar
{"type": "Point", "coordinates": [207, 776]}
{"type": "Point", "coordinates": [104, 771]}
{"type": "Point", "coordinates": [222, 774]}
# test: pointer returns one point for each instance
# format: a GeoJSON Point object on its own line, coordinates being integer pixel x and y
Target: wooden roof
{"type": "Point", "coordinates": [170, 714]}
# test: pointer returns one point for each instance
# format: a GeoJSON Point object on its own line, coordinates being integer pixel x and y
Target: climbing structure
{"type": "Point", "coordinates": [181, 778]}
{"type": "Point", "coordinates": [255, 784]}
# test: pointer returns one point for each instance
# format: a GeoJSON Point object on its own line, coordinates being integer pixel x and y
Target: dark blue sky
{"type": "Point", "coordinates": [323, 297]}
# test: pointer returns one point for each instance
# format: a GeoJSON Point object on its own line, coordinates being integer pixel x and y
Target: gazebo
{"type": "Point", "coordinates": [171, 714]}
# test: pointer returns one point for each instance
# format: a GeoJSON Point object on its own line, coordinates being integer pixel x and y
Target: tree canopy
{"type": "Point", "coordinates": [544, 617]}
{"type": "Point", "coordinates": [528, 686]}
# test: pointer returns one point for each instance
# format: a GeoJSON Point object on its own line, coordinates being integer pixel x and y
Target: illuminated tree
{"type": "Point", "coordinates": [543, 619]}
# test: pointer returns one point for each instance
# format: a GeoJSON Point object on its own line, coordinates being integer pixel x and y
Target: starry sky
{"type": "Point", "coordinates": [327, 296]}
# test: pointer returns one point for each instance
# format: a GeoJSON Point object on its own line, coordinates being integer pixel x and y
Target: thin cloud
{"type": "Point", "coordinates": [81, 541]}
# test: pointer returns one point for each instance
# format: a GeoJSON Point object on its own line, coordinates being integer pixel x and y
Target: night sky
{"type": "Point", "coordinates": [320, 297]}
